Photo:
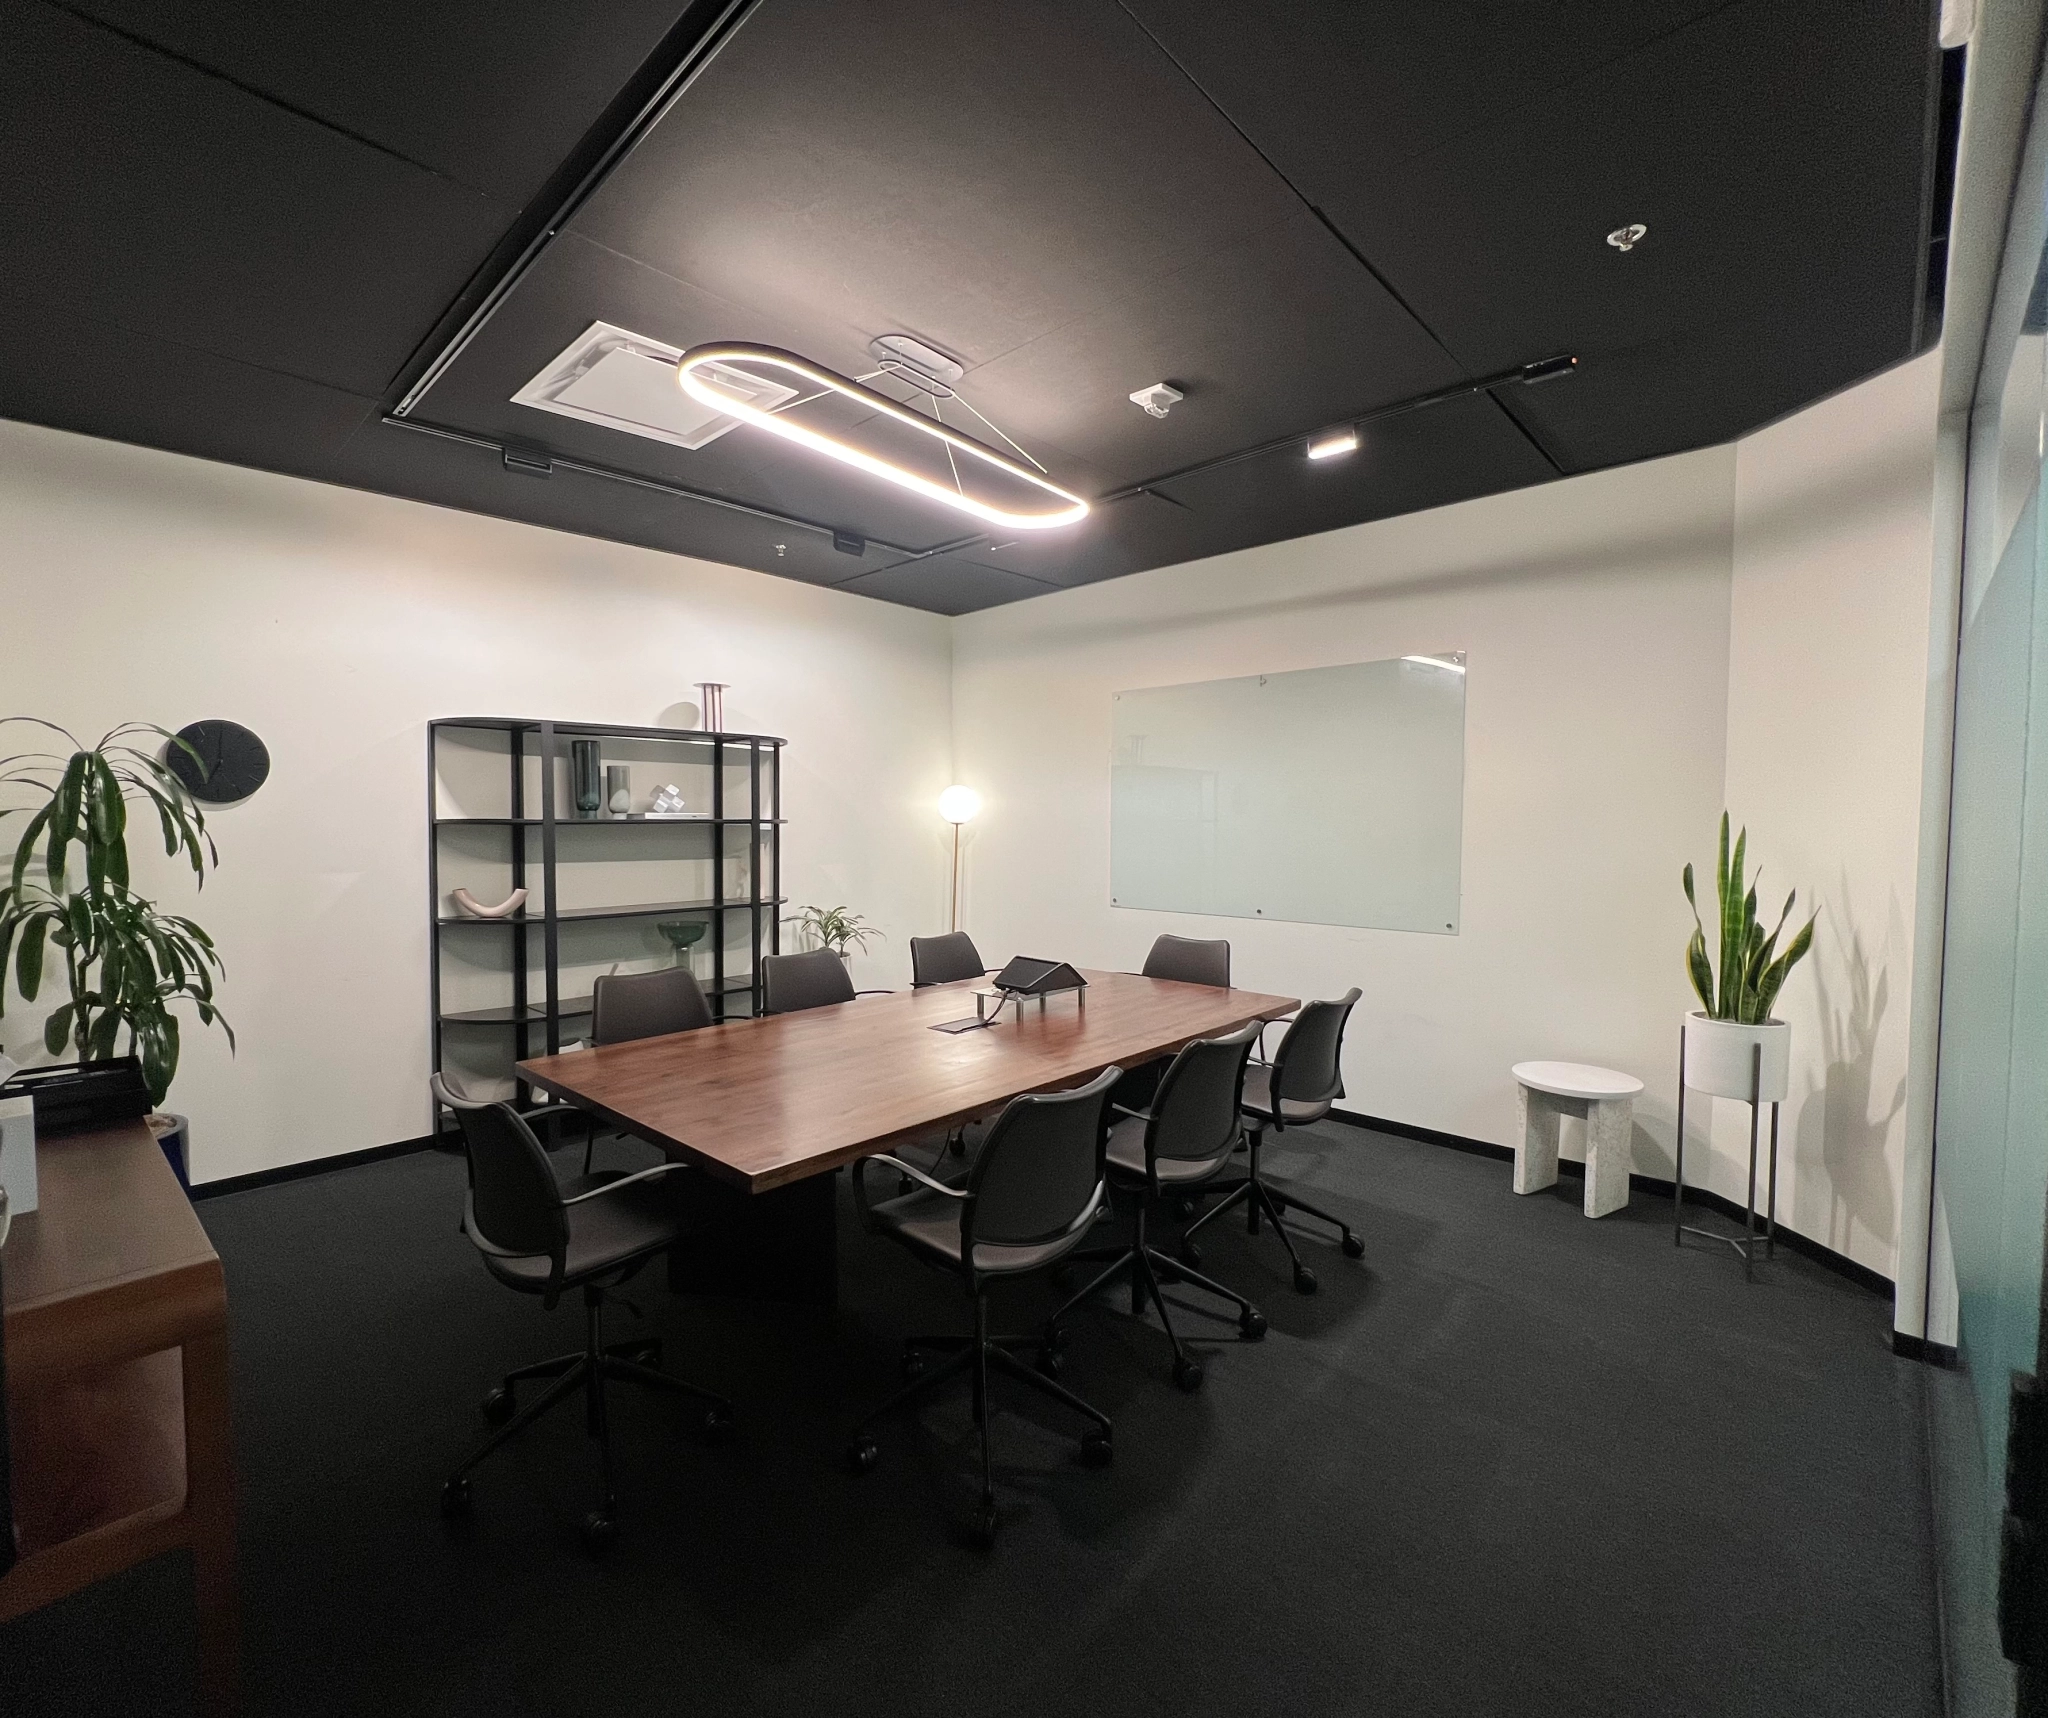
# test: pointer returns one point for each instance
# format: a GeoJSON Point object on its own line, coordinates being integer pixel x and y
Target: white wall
{"type": "Point", "coordinates": [1827, 726]}
{"type": "Point", "coordinates": [1594, 614]}
{"type": "Point", "coordinates": [146, 586]}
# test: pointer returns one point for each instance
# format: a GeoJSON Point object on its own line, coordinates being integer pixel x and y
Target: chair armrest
{"type": "Point", "coordinates": [911, 1170]}
{"type": "Point", "coordinates": [624, 1181]}
{"type": "Point", "coordinates": [874, 993]}
{"type": "Point", "coordinates": [1259, 1045]}
{"type": "Point", "coordinates": [1135, 1115]}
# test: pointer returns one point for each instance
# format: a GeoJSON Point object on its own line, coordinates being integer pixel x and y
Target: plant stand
{"type": "Point", "coordinates": [1745, 1244]}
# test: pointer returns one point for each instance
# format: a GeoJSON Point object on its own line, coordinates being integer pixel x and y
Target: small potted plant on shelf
{"type": "Point", "coordinates": [1723, 1035]}
{"type": "Point", "coordinates": [836, 929]}
{"type": "Point", "coordinates": [126, 962]}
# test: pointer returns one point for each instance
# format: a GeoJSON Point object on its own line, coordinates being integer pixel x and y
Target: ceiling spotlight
{"type": "Point", "coordinates": [1159, 399]}
{"type": "Point", "coordinates": [1332, 442]}
{"type": "Point", "coordinates": [697, 372]}
{"type": "Point", "coordinates": [1628, 237]}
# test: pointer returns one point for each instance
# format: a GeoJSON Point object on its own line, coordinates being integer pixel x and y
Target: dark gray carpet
{"type": "Point", "coordinates": [1514, 1462]}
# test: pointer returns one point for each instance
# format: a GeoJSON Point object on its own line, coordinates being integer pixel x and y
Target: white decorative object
{"type": "Point", "coordinates": [711, 701]}
{"type": "Point", "coordinates": [18, 1153]}
{"type": "Point", "coordinates": [667, 802]}
{"type": "Point", "coordinates": [618, 789]}
{"type": "Point", "coordinates": [1549, 1091]}
{"type": "Point", "coordinates": [1720, 1058]}
{"type": "Point", "coordinates": [477, 910]}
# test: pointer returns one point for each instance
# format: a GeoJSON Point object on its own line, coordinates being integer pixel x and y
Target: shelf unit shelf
{"type": "Point", "coordinates": [744, 827]}
{"type": "Point", "coordinates": [641, 910]}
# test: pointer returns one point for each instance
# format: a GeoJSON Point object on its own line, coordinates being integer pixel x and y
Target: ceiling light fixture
{"type": "Point", "coordinates": [1331, 442]}
{"type": "Point", "coordinates": [696, 370]}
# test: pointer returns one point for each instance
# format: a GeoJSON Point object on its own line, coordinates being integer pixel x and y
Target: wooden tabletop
{"type": "Point", "coordinates": [762, 1103]}
{"type": "Point", "coordinates": [114, 1233]}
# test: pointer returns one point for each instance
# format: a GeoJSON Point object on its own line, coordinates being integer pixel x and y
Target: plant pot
{"type": "Point", "coordinates": [174, 1136]}
{"type": "Point", "coordinates": [1720, 1057]}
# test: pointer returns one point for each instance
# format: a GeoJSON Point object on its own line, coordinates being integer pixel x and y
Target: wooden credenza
{"type": "Point", "coordinates": [115, 1303]}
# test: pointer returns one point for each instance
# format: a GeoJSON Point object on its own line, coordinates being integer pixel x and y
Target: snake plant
{"type": "Point", "coordinates": [1753, 970]}
{"type": "Point", "coordinates": [126, 962]}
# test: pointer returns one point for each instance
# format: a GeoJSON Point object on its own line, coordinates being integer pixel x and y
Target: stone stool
{"type": "Point", "coordinates": [1550, 1090]}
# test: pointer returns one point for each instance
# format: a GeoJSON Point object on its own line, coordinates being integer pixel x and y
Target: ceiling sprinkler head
{"type": "Point", "coordinates": [1158, 399]}
{"type": "Point", "coordinates": [1628, 237]}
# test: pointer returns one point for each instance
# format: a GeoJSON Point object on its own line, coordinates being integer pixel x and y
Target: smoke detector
{"type": "Point", "coordinates": [1159, 399]}
{"type": "Point", "coordinates": [626, 381]}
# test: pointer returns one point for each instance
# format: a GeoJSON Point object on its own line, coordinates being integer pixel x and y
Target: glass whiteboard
{"type": "Point", "coordinates": [1329, 796]}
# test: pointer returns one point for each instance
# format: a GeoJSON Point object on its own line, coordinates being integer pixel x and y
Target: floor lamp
{"type": "Point", "coordinates": [957, 805]}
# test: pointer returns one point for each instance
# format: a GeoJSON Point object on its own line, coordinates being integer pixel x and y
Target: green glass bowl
{"type": "Point", "coordinates": [682, 933]}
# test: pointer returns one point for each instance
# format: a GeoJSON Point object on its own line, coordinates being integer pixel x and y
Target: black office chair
{"type": "Point", "coordinates": [816, 978]}
{"type": "Point", "coordinates": [1186, 960]}
{"type": "Point", "coordinates": [1184, 1141]}
{"type": "Point", "coordinates": [1033, 1193]}
{"type": "Point", "coordinates": [543, 1237]}
{"type": "Point", "coordinates": [1189, 960]}
{"type": "Point", "coordinates": [1301, 1085]}
{"type": "Point", "coordinates": [944, 960]}
{"type": "Point", "coordinates": [7, 1552]}
{"type": "Point", "coordinates": [629, 1005]}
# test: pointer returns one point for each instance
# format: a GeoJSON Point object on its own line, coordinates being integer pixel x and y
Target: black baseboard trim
{"type": "Point", "coordinates": [319, 1166]}
{"type": "Point", "coordinates": [1804, 1245]}
{"type": "Point", "coordinates": [1919, 1348]}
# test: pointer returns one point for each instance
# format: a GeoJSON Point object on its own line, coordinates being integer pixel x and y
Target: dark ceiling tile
{"type": "Point", "coordinates": [142, 190]}
{"type": "Point", "coordinates": [451, 474]}
{"type": "Point", "coordinates": [1777, 155]}
{"type": "Point", "coordinates": [1272, 336]}
{"type": "Point", "coordinates": [491, 92]}
{"type": "Point", "coordinates": [975, 175]}
{"type": "Point", "coordinates": [1338, 92]}
{"type": "Point", "coordinates": [947, 584]}
{"type": "Point", "coordinates": [1431, 458]}
{"type": "Point", "coordinates": [75, 372]}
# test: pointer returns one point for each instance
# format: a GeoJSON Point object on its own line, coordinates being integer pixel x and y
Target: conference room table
{"type": "Point", "coordinates": [768, 1108]}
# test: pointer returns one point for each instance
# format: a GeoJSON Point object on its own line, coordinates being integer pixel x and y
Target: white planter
{"type": "Point", "coordinates": [1720, 1058]}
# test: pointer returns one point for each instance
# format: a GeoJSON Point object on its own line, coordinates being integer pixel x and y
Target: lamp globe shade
{"type": "Point", "coordinates": [959, 804]}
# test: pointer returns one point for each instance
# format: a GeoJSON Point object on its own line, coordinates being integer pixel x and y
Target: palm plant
{"type": "Point", "coordinates": [126, 962]}
{"type": "Point", "coordinates": [836, 929]}
{"type": "Point", "coordinates": [1752, 968]}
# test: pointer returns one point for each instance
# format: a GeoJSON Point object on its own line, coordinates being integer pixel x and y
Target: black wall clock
{"type": "Point", "coordinates": [235, 762]}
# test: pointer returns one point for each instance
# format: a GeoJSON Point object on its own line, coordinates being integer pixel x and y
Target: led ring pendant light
{"type": "Point", "coordinates": [707, 392]}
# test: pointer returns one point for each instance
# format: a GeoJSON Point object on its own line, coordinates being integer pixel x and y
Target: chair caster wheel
{"type": "Point", "coordinates": [1096, 1449]}
{"type": "Point", "coordinates": [1190, 1255]}
{"type": "Point", "coordinates": [718, 1426]}
{"type": "Point", "coordinates": [498, 1405]}
{"type": "Point", "coordinates": [861, 1455]}
{"type": "Point", "coordinates": [600, 1533]}
{"type": "Point", "coordinates": [1184, 1207]}
{"type": "Point", "coordinates": [913, 1366]}
{"type": "Point", "coordinates": [1056, 1339]}
{"type": "Point", "coordinates": [1251, 1324]}
{"type": "Point", "coordinates": [1049, 1362]}
{"type": "Point", "coordinates": [1279, 1204]}
{"type": "Point", "coordinates": [957, 1145]}
{"type": "Point", "coordinates": [1188, 1375]}
{"type": "Point", "coordinates": [1304, 1280]}
{"type": "Point", "coordinates": [1354, 1248]}
{"type": "Point", "coordinates": [455, 1500]}
{"type": "Point", "coordinates": [983, 1532]}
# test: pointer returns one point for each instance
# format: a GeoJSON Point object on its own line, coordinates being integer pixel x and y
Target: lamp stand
{"type": "Point", "coordinates": [956, 877]}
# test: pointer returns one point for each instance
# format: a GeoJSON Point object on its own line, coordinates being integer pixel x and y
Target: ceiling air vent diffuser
{"type": "Point", "coordinates": [627, 382]}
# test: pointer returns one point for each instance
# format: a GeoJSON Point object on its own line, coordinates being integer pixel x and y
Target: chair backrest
{"type": "Point", "coordinates": [628, 1005]}
{"type": "Point", "coordinates": [1195, 1112]}
{"type": "Point", "coordinates": [942, 960]}
{"type": "Point", "coordinates": [812, 980]}
{"type": "Point", "coordinates": [6, 1476]}
{"type": "Point", "coordinates": [515, 1205]}
{"type": "Point", "coordinates": [1040, 1168]}
{"type": "Point", "coordinates": [1190, 960]}
{"type": "Point", "coordinates": [1307, 1067]}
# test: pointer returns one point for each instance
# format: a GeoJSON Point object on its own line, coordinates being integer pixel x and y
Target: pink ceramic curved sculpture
{"type": "Point", "coordinates": [503, 910]}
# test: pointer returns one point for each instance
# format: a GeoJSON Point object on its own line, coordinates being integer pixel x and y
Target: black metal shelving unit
{"type": "Point", "coordinates": [536, 1011]}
